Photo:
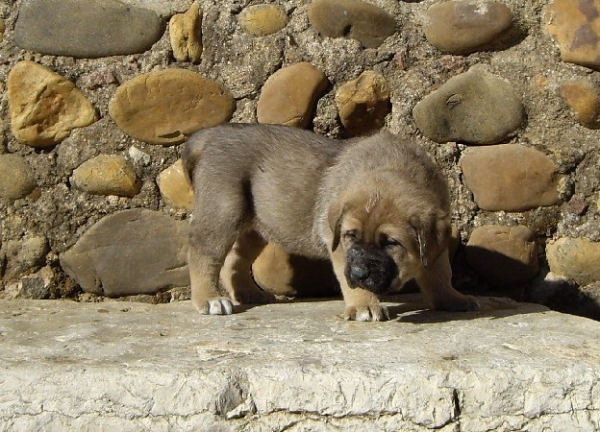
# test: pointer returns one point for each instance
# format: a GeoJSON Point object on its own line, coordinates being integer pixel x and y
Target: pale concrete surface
{"type": "Point", "coordinates": [296, 367]}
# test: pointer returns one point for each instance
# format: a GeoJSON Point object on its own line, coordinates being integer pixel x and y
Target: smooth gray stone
{"type": "Point", "coordinates": [86, 28]}
{"type": "Point", "coordinates": [130, 252]}
{"type": "Point", "coordinates": [475, 107]}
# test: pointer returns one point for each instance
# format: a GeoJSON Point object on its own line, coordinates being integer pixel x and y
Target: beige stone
{"type": "Point", "coordinates": [575, 258]}
{"type": "Point", "coordinates": [263, 19]}
{"type": "Point", "coordinates": [505, 256]}
{"type": "Point", "coordinates": [289, 96]}
{"type": "Point", "coordinates": [576, 27]}
{"type": "Point", "coordinates": [510, 177]}
{"type": "Point", "coordinates": [164, 107]}
{"type": "Point", "coordinates": [2, 28]}
{"type": "Point", "coordinates": [175, 187]}
{"type": "Point", "coordinates": [363, 103]}
{"type": "Point", "coordinates": [584, 99]}
{"type": "Point", "coordinates": [16, 177]}
{"type": "Point", "coordinates": [44, 106]}
{"type": "Point", "coordinates": [461, 27]}
{"type": "Point", "coordinates": [185, 31]}
{"type": "Point", "coordinates": [106, 175]}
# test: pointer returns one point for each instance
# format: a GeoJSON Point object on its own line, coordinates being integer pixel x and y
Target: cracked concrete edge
{"type": "Point", "coordinates": [236, 400]}
{"type": "Point", "coordinates": [295, 367]}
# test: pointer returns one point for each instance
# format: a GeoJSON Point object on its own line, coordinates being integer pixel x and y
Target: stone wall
{"type": "Point", "coordinates": [96, 98]}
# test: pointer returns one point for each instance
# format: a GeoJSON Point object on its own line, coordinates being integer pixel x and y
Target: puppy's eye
{"type": "Point", "coordinates": [386, 241]}
{"type": "Point", "coordinates": [351, 235]}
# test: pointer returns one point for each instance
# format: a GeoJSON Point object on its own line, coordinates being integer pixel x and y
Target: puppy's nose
{"type": "Point", "coordinates": [358, 272]}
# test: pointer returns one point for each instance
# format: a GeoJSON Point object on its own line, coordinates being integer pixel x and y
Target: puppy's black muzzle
{"type": "Point", "coordinates": [370, 268]}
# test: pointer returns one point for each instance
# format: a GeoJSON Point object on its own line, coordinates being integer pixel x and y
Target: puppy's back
{"type": "Point", "coordinates": [246, 145]}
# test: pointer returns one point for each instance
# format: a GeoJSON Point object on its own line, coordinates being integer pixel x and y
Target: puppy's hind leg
{"type": "Point", "coordinates": [215, 226]}
{"type": "Point", "coordinates": [204, 280]}
{"type": "Point", "coordinates": [236, 274]}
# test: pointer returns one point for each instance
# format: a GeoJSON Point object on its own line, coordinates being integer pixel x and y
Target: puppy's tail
{"type": "Point", "coordinates": [192, 151]}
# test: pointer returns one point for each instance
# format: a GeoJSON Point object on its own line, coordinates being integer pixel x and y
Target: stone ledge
{"type": "Point", "coordinates": [296, 367]}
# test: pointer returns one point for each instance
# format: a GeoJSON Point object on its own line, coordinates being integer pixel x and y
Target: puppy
{"type": "Point", "coordinates": [377, 207]}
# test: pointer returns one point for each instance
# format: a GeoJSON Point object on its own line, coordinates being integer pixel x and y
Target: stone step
{"type": "Point", "coordinates": [295, 367]}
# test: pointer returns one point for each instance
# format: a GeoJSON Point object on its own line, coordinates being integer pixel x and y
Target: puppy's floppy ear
{"type": "Point", "coordinates": [335, 216]}
{"type": "Point", "coordinates": [433, 233]}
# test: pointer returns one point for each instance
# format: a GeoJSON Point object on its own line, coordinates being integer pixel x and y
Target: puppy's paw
{"type": "Point", "coordinates": [374, 312]}
{"type": "Point", "coordinates": [215, 306]}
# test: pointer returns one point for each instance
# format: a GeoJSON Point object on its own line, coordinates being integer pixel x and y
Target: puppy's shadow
{"type": "Point", "coordinates": [244, 307]}
{"type": "Point", "coordinates": [412, 308]}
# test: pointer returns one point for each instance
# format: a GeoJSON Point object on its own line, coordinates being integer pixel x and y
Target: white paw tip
{"type": "Point", "coordinates": [363, 315]}
{"type": "Point", "coordinates": [220, 307]}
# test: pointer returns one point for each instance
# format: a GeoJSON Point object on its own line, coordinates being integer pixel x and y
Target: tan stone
{"type": "Point", "coordinates": [175, 187]}
{"type": "Point", "coordinates": [283, 274]}
{"type": "Point", "coordinates": [584, 99]}
{"type": "Point", "coordinates": [263, 19]}
{"type": "Point", "coordinates": [575, 258]}
{"type": "Point", "coordinates": [461, 27]}
{"type": "Point", "coordinates": [44, 106]}
{"type": "Point", "coordinates": [510, 177]}
{"type": "Point", "coordinates": [185, 31]}
{"type": "Point", "coordinates": [164, 107]}
{"type": "Point", "coordinates": [289, 96]}
{"type": "Point", "coordinates": [16, 177]}
{"type": "Point", "coordinates": [504, 256]}
{"type": "Point", "coordinates": [273, 272]}
{"type": "Point", "coordinates": [2, 28]}
{"type": "Point", "coordinates": [363, 103]}
{"type": "Point", "coordinates": [106, 175]}
{"type": "Point", "coordinates": [576, 27]}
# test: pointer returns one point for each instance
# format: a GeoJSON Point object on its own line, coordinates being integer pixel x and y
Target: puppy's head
{"type": "Point", "coordinates": [387, 239]}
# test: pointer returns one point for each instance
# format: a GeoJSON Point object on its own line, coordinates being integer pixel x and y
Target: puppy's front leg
{"type": "Point", "coordinates": [204, 279]}
{"type": "Point", "coordinates": [436, 284]}
{"type": "Point", "coordinates": [361, 305]}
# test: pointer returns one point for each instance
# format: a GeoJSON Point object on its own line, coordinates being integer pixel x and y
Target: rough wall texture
{"type": "Point", "coordinates": [504, 94]}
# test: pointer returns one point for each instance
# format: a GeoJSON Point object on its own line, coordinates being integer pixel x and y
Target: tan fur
{"type": "Point", "coordinates": [377, 207]}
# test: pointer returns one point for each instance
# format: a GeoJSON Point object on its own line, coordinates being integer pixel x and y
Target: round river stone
{"type": "Point", "coordinates": [461, 27]}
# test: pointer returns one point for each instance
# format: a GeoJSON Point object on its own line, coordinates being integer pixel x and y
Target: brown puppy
{"type": "Point", "coordinates": [377, 207]}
